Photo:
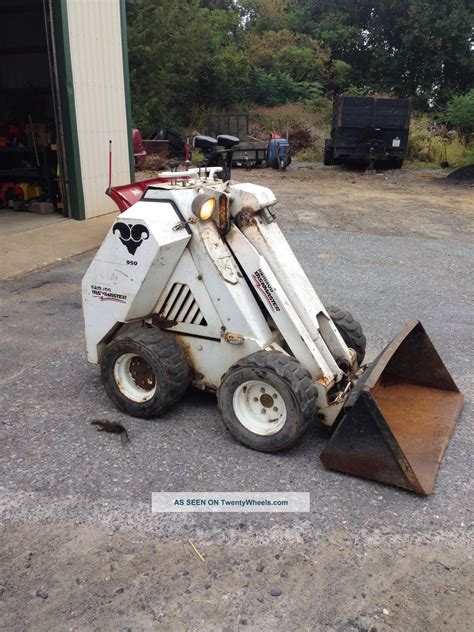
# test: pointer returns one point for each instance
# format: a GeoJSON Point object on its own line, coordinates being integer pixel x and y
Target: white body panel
{"type": "Point", "coordinates": [121, 286]}
{"type": "Point", "coordinates": [184, 277]}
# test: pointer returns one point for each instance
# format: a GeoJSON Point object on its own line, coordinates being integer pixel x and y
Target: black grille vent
{"type": "Point", "coordinates": [181, 306]}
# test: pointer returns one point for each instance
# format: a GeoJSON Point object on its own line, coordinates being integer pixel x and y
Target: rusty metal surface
{"type": "Point", "coordinates": [159, 321]}
{"type": "Point", "coordinates": [422, 420]}
{"type": "Point", "coordinates": [233, 338]}
{"type": "Point", "coordinates": [245, 217]}
{"type": "Point", "coordinates": [223, 218]}
{"type": "Point", "coordinates": [142, 374]}
{"type": "Point", "coordinates": [398, 421]}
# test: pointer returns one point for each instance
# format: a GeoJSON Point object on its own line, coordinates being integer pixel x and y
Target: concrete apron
{"type": "Point", "coordinates": [33, 248]}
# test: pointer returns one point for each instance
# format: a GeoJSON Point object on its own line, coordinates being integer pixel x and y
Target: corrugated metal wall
{"type": "Point", "coordinates": [97, 69]}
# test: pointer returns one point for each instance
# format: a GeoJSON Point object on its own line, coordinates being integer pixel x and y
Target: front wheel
{"type": "Point", "coordinates": [267, 400]}
{"type": "Point", "coordinates": [144, 372]}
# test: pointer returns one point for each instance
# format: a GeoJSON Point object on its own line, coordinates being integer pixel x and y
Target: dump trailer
{"type": "Point", "coordinates": [195, 284]}
{"type": "Point", "coordinates": [368, 131]}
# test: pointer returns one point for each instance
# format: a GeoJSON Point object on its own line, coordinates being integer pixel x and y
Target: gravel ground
{"type": "Point", "coordinates": [81, 549]}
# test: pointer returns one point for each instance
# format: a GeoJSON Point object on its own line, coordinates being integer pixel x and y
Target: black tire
{"type": "Point", "coordinates": [350, 330]}
{"type": "Point", "coordinates": [328, 156]}
{"type": "Point", "coordinates": [293, 384]}
{"type": "Point", "coordinates": [157, 357]}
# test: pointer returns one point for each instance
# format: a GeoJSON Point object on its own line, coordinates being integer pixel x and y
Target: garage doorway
{"type": "Point", "coordinates": [32, 170]}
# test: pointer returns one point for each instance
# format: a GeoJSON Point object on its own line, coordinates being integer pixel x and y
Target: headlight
{"type": "Point", "coordinates": [203, 207]}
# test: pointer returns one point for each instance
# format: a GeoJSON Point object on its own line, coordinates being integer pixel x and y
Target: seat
{"type": "Point", "coordinates": [204, 142]}
{"type": "Point", "coordinates": [227, 141]}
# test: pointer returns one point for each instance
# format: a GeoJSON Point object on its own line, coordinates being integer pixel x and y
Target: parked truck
{"type": "Point", "coordinates": [368, 130]}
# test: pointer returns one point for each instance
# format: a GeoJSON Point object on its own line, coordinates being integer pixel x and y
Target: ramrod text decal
{"type": "Point", "coordinates": [263, 285]}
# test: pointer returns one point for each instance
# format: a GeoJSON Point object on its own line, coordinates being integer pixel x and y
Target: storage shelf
{"type": "Point", "coordinates": [20, 173]}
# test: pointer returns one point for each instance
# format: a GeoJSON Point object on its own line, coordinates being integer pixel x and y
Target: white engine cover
{"type": "Point", "coordinates": [131, 269]}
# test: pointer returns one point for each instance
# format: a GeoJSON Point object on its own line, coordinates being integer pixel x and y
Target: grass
{"type": "Point", "coordinates": [430, 145]}
{"type": "Point", "coordinates": [308, 155]}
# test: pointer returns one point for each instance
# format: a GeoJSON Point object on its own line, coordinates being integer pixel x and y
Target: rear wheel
{"type": "Point", "coordinates": [328, 156]}
{"type": "Point", "coordinates": [350, 330]}
{"type": "Point", "coordinates": [396, 163]}
{"type": "Point", "coordinates": [144, 372]}
{"type": "Point", "coordinates": [267, 400]}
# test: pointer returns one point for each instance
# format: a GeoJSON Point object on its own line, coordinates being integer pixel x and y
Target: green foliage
{"type": "Point", "coordinates": [182, 55]}
{"type": "Point", "coordinates": [417, 48]}
{"type": "Point", "coordinates": [467, 157]}
{"type": "Point", "coordinates": [272, 88]}
{"type": "Point", "coordinates": [432, 144]}
{"type": "Point", "coordinates": [356, 91]}
{"type": "Point", "coordinates": [460, 113]}
{"type": "Point", "coordinates": [192, 56]}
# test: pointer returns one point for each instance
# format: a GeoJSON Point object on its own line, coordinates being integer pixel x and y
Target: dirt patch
{"type": "Point", "coordinates": [406, 202]}
{"type": "Point", "coordinates": [58, 577]}
{"type": "Point", "coordinates": [419, 202]}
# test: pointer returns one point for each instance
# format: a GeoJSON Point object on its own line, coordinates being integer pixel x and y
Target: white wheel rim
{"type": "Point", "coordinates": [135, 377]}
{"type": "Point", "coordinates": [259, 407]}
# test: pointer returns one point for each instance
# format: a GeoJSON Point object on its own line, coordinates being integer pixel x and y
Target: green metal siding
{"type": "Point", "coordinates": [72, 157]}
{"type": "Point", "coordinates": [126, 77]}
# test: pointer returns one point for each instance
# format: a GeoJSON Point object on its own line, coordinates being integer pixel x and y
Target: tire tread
{"type": "Point", "coordinates": [350, 329]}
{"type": "Point", "coordinates": [170, 355]}
{"type": "Point", "coordinates": [290, 370]}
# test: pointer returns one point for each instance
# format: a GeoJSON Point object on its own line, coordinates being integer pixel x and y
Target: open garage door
{"type": "Point", "coordinates": [33, 173]}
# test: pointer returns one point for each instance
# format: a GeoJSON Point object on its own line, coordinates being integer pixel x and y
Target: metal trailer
{"type": "Point", "coordinates": [368, 130]}
{"type": "Point", "coordinates": [250, 151]}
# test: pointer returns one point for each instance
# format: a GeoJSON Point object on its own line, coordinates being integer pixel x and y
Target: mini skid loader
{"type": "Point", "coordinates": [196, 284]}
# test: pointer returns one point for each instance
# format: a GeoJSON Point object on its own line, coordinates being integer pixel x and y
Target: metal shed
{"type": "Point", "coordinates": [67, 61]}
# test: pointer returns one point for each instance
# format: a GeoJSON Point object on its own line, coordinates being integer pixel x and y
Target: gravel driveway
{"type": "Point", "coordinates": [80, 547]}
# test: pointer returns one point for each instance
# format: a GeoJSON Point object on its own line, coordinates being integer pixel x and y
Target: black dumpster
{"type": "Point", "coordinates": [368, 130]}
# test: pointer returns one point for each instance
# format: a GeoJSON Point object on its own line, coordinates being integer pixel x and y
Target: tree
{"type": "Point", "coordinates": [214, 54]}
{"type": "Point", "coordinates": [416, 48]}
{"type": "Point", "coordinates": [182, 55]}
{"type": "Point", "coordinates": [460, 114]}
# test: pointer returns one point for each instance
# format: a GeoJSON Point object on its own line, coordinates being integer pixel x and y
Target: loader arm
{"type": "Point", "coordinates": [270, 243]}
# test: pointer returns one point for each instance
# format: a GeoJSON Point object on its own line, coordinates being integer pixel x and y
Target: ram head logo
{"type": "Point", "coordinates": [131, 235]}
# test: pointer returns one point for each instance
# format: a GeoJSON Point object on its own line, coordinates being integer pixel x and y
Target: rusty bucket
{"type": "Point", "coordinates": [397, 422]}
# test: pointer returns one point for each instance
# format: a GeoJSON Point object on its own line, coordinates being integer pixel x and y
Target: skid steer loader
{"type": "Point", "coordinates": [196, 284]}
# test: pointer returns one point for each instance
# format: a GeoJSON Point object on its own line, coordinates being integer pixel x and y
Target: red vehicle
{"type": "Point", "coordinates": [139, 152]}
